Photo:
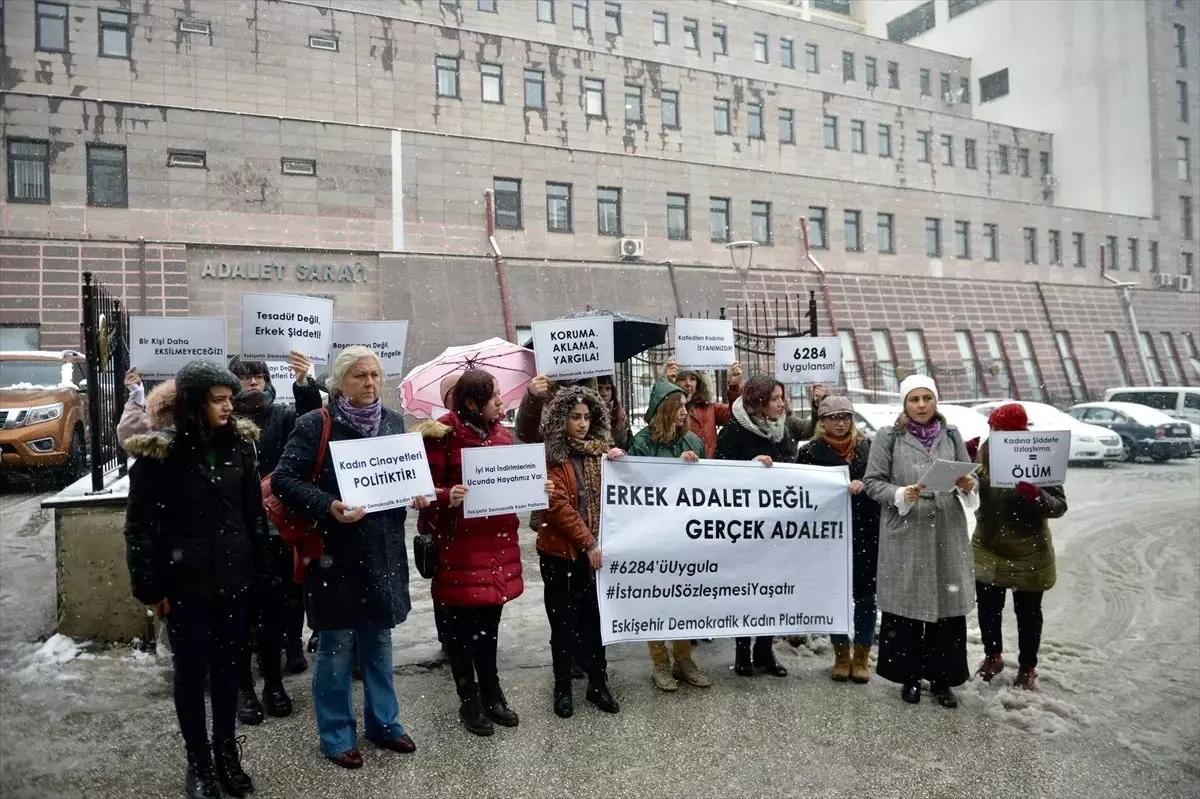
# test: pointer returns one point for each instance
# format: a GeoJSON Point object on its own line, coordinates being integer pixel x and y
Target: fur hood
{"type": "Point", "coordinates": [554, 420]}
{"type": "Point", "coordinates": [157, 445]}
{"type": "Point", "coordinates": [430, 428]}
{"type": "Point", "coordinates": [160, 404]}
{"type": "Point", "coordinates": [703, 394]}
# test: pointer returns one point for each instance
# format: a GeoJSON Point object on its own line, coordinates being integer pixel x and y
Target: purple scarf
{"type": "Point", "coordinates": [926, 433]}
{"type": "Point", "coordinates": [364, 420]}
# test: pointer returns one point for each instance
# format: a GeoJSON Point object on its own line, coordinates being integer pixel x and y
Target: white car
{"type": "Point", "coordinates": [1089, 443]}
{"type": "Point", "coordinates": [871, 418]}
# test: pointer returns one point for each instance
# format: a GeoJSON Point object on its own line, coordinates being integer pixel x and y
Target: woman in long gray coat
{"type": "Point", "coordinates": [926, 578]}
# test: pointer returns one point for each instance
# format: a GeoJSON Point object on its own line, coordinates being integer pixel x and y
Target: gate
{"type": "Point", "coordinates": [106, 347]}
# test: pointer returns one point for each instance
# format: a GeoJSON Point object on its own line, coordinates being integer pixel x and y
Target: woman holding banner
{"type": "Point", "coordinates": [576, 431]}
{"type": "Point", "coordinates": [757, 433]}
{"type": "Point", "coordinates": [358, 590]}
{"type": "Point", "coordinates": [926, 576]}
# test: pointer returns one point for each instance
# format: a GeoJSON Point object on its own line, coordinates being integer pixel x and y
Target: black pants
{"type": "Point", "coordinates": [912, 650]}
{"type": "Point", "coordinates": [471, 641]}
{"type": "Point", "coordinates": [291, 596]}
{"type": "Point", "coordinates": [275, 618]}
{"type": "Point", "coordinates": [1028, 605]}
{"type": "Point", "coordinates": [574, 613]}
{"type": "Point", "coordinates": [206, 636]}
{"type": "Point", "coordinates": [763, 646]}
{"type": "Point", "coordinates": [439, 621]}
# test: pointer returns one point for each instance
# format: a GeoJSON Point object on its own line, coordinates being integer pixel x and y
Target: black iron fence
{"type": "Point", "coordinates": [106, 345]}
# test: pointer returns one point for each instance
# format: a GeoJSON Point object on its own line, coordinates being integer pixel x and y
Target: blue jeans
{"type": "Point", "coordinates": [332, 695]}
{"type": "Point", "coordinates": [864, 623]}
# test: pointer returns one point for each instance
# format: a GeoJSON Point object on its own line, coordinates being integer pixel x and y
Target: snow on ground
{"type": "Point", "coordinates": [1118, 713]}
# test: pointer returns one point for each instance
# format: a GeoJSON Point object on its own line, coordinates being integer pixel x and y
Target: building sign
{"type": "Point", "coordinates": [323, 273]}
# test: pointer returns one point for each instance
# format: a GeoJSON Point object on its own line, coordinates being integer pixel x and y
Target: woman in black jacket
{"type": "Point", "coordinates": [838, 442]}
{"type": "Point", "coordinates": [196, 544]}
{"type": "Point", "coordinates": [757, 433]}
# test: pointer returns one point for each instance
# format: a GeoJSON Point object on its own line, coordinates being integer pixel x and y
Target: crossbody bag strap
{"type": "Point", "coordinates": [326, 434]}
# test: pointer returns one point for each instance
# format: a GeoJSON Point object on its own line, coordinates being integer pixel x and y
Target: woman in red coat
{"type": "Point", "coordinates": [478, 560]}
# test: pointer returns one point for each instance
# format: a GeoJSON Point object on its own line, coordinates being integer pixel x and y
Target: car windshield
{"type": "Point", "coordinates": [32, 374]}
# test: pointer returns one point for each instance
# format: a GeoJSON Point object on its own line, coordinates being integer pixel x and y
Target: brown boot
{"type": "Point", "coordinates": [860, 671]}
{"type": "Point", "coordinates": [841, 664]}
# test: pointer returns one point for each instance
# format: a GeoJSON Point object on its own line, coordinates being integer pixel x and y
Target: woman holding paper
{"type": "Point", "coordinates": [1013, 551]}
{"type": "Point", "coordinates": [705, 415]}
{"type": "Point", "coordinates": [926, 576]}
{"type": "Point", "coordinates": [358, 590]}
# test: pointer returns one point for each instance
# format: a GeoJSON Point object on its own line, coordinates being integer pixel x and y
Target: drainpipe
{"type": "Point", "coordinates": [489, 203]}
{"type": "Point", "coordinates": [821, 276]}
{"type": "Point", "coordinates": [1125, 297]}
{"type": "Point", "coordinates": [674, 287]}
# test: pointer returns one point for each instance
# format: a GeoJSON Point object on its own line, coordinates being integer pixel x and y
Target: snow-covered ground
{"type": "Point", "coordinates": [1118, 713]}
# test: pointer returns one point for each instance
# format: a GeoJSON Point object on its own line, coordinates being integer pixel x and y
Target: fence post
{"type": "Point", "coordinates": [91, 345]}
{"type": "Point", "coordinates": [120, 365]}
{"type": "Point", "coordinates": [812, 313]}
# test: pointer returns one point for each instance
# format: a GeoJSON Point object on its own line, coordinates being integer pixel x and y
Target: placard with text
{"type": "Point", "coordinates": [275, 324]}
{"type": "Point", "coordinates": [385, 338]}
{"type": "Point", "coordinates": [282, 379]}
{"type": "Point", "coordinates": [160, 345]}
{"type": "Point", "coordinates": [808, 359]}
{"type": "Point", "coordinates": [574, 349]}
{"type": "Point", "coordinates": [382, 472]}
{"type": "Point", "coordinates": [1039, 457]}
{"type": "Point", "coordinates": [704, 343]}
{"type": "Point", "coordinates": [503, 480]}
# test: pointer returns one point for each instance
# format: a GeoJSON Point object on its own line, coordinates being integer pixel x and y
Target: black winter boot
{"type": "Point", "coordinates": [497, 709]}
{"type": "Point", "coordinates": [227, 754]}
{"type": "Point", "coordinates": [764, 657]}
{"type": "Point", "coordinates": [249, 710]}
{"type": "Point", "coordinates": [294, 655]}
{"type": "Point", "coordinates": [564, 702]}
{"type": "Point", "coordinates": [599, 695]}
{"type": "Point", "coordinates": [201, 781]}
{"type": "Point", "coordinates": [470, 712]}
{"type": "Point", "coordinates": [275, 699]}
{"type": "Point", "coordinates": [741, 658]}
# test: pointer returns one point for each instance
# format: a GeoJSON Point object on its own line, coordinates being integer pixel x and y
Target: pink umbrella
{"type": "Point", "coordinates": [512, 367]}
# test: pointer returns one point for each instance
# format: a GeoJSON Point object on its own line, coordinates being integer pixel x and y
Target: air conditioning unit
{"type": "Point", "coordinates": [1049, 182]}
{"type": "Point", "coordinates": [952, 98]}
{"type": "Point", "coordinates": [1163, 280]}
{"type": "Point", "coordinates": [631, 248]}
{"type": "Point", "coordinates": [1183, 282]}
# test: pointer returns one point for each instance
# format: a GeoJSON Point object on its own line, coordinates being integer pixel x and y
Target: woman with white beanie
{"type": "Point", "coordinates": [926, 577]}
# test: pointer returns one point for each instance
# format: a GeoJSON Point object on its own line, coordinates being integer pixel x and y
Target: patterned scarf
{"type": "Point", "coordinates": [926, 433]}
{"type": "Point", "coordinates": [759, 425]}
{"type": "Point", "coordinates": [590, 450]}
{"type": "Point", "coordinates": [844, 446]}
{"type": "Point", "coordinates": [365, 420]}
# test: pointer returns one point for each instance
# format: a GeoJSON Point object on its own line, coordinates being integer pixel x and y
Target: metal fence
{"type": "Point", "coordinates": [106, 346]}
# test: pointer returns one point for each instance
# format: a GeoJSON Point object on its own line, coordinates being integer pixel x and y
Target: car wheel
{"type": "Point", "coordinates": [1160, 457]}
{"type": "Point", "coordinates": [76, 463]}
{"type": "Point", "coordinates": [1129, 453]}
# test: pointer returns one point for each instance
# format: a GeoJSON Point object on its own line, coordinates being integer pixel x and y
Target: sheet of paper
{"type": "Point", "coordinates": [941, 475]}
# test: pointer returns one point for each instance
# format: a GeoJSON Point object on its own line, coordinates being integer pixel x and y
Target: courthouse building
{"type": "Point", "coordinates": [971, 189]}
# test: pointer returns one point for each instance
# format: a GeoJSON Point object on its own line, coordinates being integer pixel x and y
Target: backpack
{"type": "Point", "coordinates": [298, 531]}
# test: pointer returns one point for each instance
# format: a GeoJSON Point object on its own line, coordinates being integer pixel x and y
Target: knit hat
{"type": "Point", "coordinates": [913, 382]}
{"type": "Point", "coordinates": [199, 376]}
{"type": "Point", "coordinates": [1009, 417]}
{"type": "Point", "coordinates": [833, 404]}
{"type": "Point", "coordinates": [448, 383]}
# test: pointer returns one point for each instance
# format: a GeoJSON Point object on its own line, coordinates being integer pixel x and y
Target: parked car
{"type": "Point", "coordinates": [1144, 431]}
{"type": "Point", "coordinates": [43, 414]}
{"type": "Point", "coordinates": [870, 418]}
{"type": "Point", "coordinates": [1089, 443]}
{"type": "Point", "coordinates": [1178, 402]}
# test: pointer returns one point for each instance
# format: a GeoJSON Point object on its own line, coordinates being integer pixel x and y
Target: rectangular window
{"type": "Point", "coordinates": [817, 239]}
{"type": "Point", "coordinates": [492, 78]}
{"type": "Point", "coordinates": [884, 234]}
{"type": "Point", "coordinates": [812, 62]}
{"type": "Point", "coordinates": [847, 66]}
{"type": "Point", "coordinates": [962, 239]}
{"type": "Point", "coordinates": [893, 69]}
{"type": "Point", "coordinates": [852, 230]}
{"type": "Point", "coordinates": [317, 42]}
{"type": "Point", "coordinates": [1147, 345]}
{"type": "Point", "coordinates": [1134, 255]}
{"type": "Point", "coordinates": [957, 7]}
{"type": "Point", "coordinates": [545, 10]}
{"type": "Point", "coordinates": [608, 211]}
{"type": "Point", "coordinates": [760, 47]}
{"type": "Point", "coordinates": [923, 148]}
{"type": "Point", "coordinates": [994, 86]}
{"type": "Point", "coordinates": [28, 171]}
{"type": "Point", "coordinates": [1118, 356]}
{"type": "Point", "coordinates": [1183, 159]}
{"type": "Point", "coordinates": [933, 237]}
{"type": "Point", "coordinates": [488, 6]}
{"type": "Point", "coordinates": [754, 119]}
{"type": "Point", "coordinates": [964, 91]}
{"type": "Point", "coordinates": [718, 219]}
{"type": "Point", "coordinates": [1055, 243]}
{"type": "Point", "coordinates": [612, 18]}
{"type": "Point", "coordinates": [970, 361]}
{"type": "Point", "coordinates": [633, 104]}
{"type": "Point", "coordinates": [1153, 249]}
{"type": "Point", "coordinates": [947, 149]}
{"type": "Point", "coordinates": [831, 133]}
{"type": "Point", "coordinates": [691, 34]}
{"type": "Point", "coordinates": [787, 53]}
{"type": "Point", "coordinates": [925, 80]}
{"type": "Point", "coordinates": [1033, 372]}
{"type": "Point", "coordinates": [851, 372]}
{"type": "Point", "coordinates": [1031, 245]}
{"type": "Point", "coordinates": [115, 35]}
{"type": "Point", "coordinates": [507, 194]}
{"type": "Point", "coordinates": [593, 97]}
{"type": "Point", "coordinates": [1171, 356]}
{"type": "Point", "coordinates": [579, 15]}
{"type": "Point", "coordinates": [912, 23]}
{"type": "Point", "coordinates": [1002, 156]}
{"type": "Point", "coordinates": [662, 28]}
{"type": "Point", "coordinates": [871, 68]}
{"type": "Point", "coordinates": [969, 154]}
{"type": "Point", "coordinates": [558, 207]}
{"type": "Point", "coordinates": [760, 222]}
{"type": "Point", "coordinates": [107, 183]}
{"type": "Point", "coordinates": [535, 88]}
{"type": "Point", "coordinates": [1044, 157]}
{"type": "Point", "coordinates": [720, 40]}
{"type": "Point", "coordinates": [300, 167]}
{"type": "Point", "coordinates": [885, 362]}
{"type": "Point", "coordinates": [1023, 161]}
{"type": "Point", "coordinates": [1112, 259]}
{"type": "Point", "coordinates": [1185, 217]}
{"type": "Point", "coordinates": [999, 366]}
{"type": "Point", "coordinates": [447, 76]}
{"type": "Point", "coordinates": [1185, 264]}
{"type": "Point", "coordinates": [187, 159]}
{"type": "Point", "coordinates": [885, 141]}
{"type": "Point", "coordinates": [787, 126]}
{"type": "Point", "coordinates": [195, 26]}
{"type": "Point", "coordinates": [50, 31]}
{"type": "Point", "coordinates": [1066, 352]}
{"type": "Point", "coordinates": [679, 226]}
{"type": "Point", "coordinates": [945, 85]}
{"type": "Point", "coordinates": [1181, 100]}
{"type": "Point", "coordinates": [916, 351]}
{"type": "Point", "coordinates": [858, 136]}
{"type": "Point", "coordinates": [1180, 46]}
{"type": "Point", "coordinates": [991, 242]}
{"type": "Point", "coordinates": [721, 116]}
{"type": "Point", "coordinates": [670, 108]}
{"type": "Point", "coordinates": [1078, 251]}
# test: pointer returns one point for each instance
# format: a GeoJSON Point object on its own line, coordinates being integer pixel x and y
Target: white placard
{"type": "Point", "coordinates": [704, 343]}
{"type": "Point", "coordinates": [159, 345]}
{"type": "Point", "coordinates": [942, 475]}
{"type": "Point", "coordinates": [1027, 456]}
{"type": "Point", "coordinates": [572, 349]}
{"type": "Point", "coordinates": [282, 378]}
{"type": "Point", "coordinates": [720, 549]}
{"type": "Point", "coordinates": [381, 473]}
{"type": "Point", "coordinates": [384, 337]}
{"type": "Point", "coordinates": [805, 359]}
{"type": "Point", "coordinates": [275, 324]}
{"type": "Point", "coordinates": [503, 480]}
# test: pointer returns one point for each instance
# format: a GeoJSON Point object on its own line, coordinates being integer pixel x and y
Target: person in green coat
{"type": "Point", "coordinates": [1013, 550]}
{"type": "Point", "coordinates": [668, 435]}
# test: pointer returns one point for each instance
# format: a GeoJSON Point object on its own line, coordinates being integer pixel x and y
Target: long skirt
{"type": "Point", "coordinates": [912, 650]}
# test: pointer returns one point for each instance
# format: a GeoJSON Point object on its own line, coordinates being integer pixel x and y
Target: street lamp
{"type": "Point", "coordinates": [741, 255]}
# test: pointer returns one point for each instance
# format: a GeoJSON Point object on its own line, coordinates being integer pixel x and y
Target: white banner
{"type": "Point", "coordinates": [807, 359]}
{"type": "Point", "coordinates": [381, 473]}
{"type": "Point", "coordinates": [282, 378]}
{"type": "Point", "coordinates": [1033, 457]}
{"type": "Point", "coordinates": [572, 349]}
{"type": "Point", "coordinates": [275, 324]}
{"type": "Point", "coordinates": [159, 345]}
{"type": "Point", "coordinates": [504, 480]}
{"type": "Point", "coordinates": [720, 549]}
{"type": "Point", "coordinates": [704, 343]}
{"type": "Point", "coordinates": [385, 338]}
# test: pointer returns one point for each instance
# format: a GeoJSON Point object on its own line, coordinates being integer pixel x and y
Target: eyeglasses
{"type": "Point", "coordinates": [838, 417]}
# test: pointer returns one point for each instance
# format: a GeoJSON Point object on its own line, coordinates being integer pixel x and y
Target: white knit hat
{"type": "Point", "coordinates": [913, 382]}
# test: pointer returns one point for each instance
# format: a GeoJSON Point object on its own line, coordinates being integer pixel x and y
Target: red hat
{"type": "Point", "coordinates": [1009, 417]}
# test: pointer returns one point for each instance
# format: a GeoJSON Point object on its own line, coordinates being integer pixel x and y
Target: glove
{"type": "Point", "coordinates": [1028, 491]}
{"type": "Point", "coordinates": [973, 447]}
